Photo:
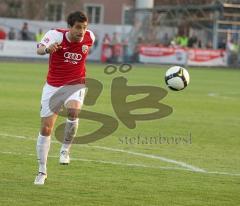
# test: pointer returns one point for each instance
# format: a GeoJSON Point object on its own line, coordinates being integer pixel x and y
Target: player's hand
{"type": "Point", "coordinates": [53, 48]}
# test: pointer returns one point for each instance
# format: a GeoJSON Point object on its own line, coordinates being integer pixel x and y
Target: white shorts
{"type": "Point", "coordinates": [52, 96]}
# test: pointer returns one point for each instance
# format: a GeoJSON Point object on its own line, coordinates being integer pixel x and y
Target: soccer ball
{"type": "Point", "coordinates": [177, 78]}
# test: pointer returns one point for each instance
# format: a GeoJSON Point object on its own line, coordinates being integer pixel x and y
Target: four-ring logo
{"type": "Point", "coordinates": [73, 56]}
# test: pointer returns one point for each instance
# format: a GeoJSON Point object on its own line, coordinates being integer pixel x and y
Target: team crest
{"type": "Point", "coordinates": [84, 49]}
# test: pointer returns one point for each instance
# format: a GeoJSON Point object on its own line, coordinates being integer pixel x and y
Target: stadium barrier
{"type": "Point", "coordinates": [162, 55]}
{"type": "Point", "coordinates": [191, 57]}
{"type": "Point", "coordinates": [147, 54]}
{"type": "Point", "coordinates": [207, 57]}
{"type": "Point", "coordinates": [21, 49]}
{"type": "Point", "coordinates": [167, 55]}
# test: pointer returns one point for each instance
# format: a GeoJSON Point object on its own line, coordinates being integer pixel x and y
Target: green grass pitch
{"type": "Point", "coordinates": [205, 171]}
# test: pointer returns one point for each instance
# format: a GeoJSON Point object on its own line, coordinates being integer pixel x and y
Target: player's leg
{"type": "Point", "coordinates": [73, 108]}
{"type": "Point", "coordinates": [48, 119]}
{"type": "Point", "coordinates": [43, 146]}
{"type": "Point", "coordinates": [73, 105]}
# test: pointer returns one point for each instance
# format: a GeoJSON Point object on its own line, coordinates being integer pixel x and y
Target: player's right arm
{"type": "Point", "coordinates": [50, 42]}
{"type": "Point", "coordinates": [41, 50]}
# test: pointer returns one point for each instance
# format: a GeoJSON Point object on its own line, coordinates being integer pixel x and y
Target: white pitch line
{"type": "Point", "coordinates": [223, 173]}
{"type": "Point", "coordinates": [130, 164]}
{"type": "Point", "coordinates": [186, 167]}
{"type": "Point", "coordinates": [16, 136]}
{"type": "Point", "coordinates": [163, 159]}
{"type": "Point", "coordinates": [103, 161]}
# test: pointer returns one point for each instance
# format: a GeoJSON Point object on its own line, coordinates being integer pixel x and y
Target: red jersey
{"type": "Point", "coordinates": [67, 65]}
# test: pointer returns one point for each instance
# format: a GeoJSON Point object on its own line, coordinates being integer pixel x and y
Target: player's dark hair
{"type": "Point", "coordinates": [76, 16]}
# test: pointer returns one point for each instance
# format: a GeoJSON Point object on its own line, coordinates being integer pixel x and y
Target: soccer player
{"type": "Point", "coordinates": [68, 49]}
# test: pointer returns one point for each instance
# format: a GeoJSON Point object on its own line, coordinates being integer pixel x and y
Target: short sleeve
{"type": "Point", "coordinates": [92, 36]}
{"type": "Point", "coordinates": [51, 37]}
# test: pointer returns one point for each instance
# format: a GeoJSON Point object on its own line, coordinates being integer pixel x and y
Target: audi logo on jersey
{"type": "Point", "coordinates": [73, 56]}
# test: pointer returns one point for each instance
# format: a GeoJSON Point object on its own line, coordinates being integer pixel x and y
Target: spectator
{"type": "Point", "coordinates": [222, 44]}
{"type": "Point", "coordinates": [209, 45]}
{"type": "Point", "coordinates": [232, 51]}
{"type": "Point", "coordinates": [116, 48]}
{"type": "Point", "coordinates": [3, 34]}
{"type": "Point", "coordinates": [135, 57]}
{"type": "Point", "coordinates": [106, 49]}
{"type": "Point", "coordinates": [24, 33]}
{"type": "Point", "coordinates": [39, 35]}
{"type": "Point", "coordinates": [199, 43]}
{"type": "Point", "coordinates": [106, 39]}
{"type": "Point", "coordinates": [182, 41]}
{"type": "Point", "coordinates": [115, 39]}
{"type": "Point", "coordinates": [125, 50]}
{"type": "Point", "coordinates": [165, 41]}
{"type": "Point", "coordinates": [193, 40]}
{"type": "Point", "coordinates": [12, 34]}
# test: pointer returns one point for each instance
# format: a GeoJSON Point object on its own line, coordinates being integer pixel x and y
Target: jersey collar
{"type": "Point", "coordinates": [66, 35]}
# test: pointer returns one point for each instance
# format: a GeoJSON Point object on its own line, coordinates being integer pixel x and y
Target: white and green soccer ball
{"type": "Point", "coordinates": [177, 78]}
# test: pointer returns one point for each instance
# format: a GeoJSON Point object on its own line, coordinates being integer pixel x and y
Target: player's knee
{"type": "Point", "coordinates": [46, 130]}
{"type": "Point", "coordinates": [73, 114]}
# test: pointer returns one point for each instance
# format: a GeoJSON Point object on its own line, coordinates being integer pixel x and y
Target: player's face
{"type": "Point", "coordinates": [78, 30]}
